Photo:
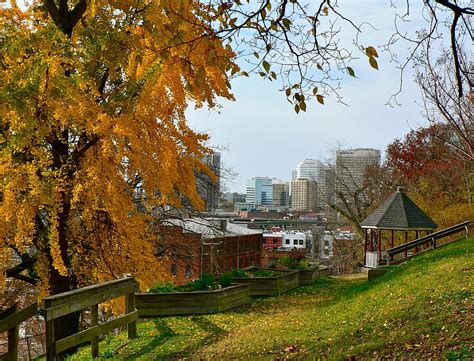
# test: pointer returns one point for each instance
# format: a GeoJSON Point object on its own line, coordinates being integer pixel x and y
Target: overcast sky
{"type": "Point", "coordinates": [265, 137]}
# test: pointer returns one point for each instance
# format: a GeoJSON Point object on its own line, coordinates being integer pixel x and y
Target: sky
{"type": "Point", "coordinates": [260, 134]}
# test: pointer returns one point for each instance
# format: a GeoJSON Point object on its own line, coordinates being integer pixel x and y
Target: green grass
{"type": "Point", "coordinates": [421, 309]}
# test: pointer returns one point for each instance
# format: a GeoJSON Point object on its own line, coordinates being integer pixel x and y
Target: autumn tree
{"type": "Point", "coordinates": [436, 176]}
{"type": "Point", "coordinates": [93, 134]}
{"type": "Point", "coordinates": [92, 109]}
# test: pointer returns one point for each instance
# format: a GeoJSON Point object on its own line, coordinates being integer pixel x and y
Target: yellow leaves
{"type": "Point", "coordinates": [150, 70]}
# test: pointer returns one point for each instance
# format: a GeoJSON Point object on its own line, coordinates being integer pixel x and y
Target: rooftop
{"type": "Point", "coordinates": [210, 229]}
{"type": "Point", "coordinates": [399, 212]}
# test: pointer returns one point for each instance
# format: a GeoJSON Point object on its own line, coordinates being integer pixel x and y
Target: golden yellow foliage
{"type": "Point", "coordinates": [93, 131]}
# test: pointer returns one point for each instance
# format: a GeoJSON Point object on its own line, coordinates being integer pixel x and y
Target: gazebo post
{"type": "Point", "coordinates": [371, 240]}
{"type": "Point", "coordinates": [416, 237]}
{"type": "Point", "coordinates": [392, 243]}
{"type": "Point", "coordinates": [365, 245]}
{"type": "Point", "coordinates": [406, 241]}
{"type": "Point", "coordinates": [379, 247]}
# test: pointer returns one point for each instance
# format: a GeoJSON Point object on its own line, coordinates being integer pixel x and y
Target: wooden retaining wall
{"type": "Point", "coordinates": [308, 276]}
{"type": "Point", "coordinates": [269, 286]}
{"type": "Point", "coordinates": [191, 303]}
{"type": "Point", "coordinates": [324, 270]}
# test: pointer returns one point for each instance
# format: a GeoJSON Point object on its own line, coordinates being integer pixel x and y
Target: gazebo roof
{"type": "Point", "coordinates": [399, 212]}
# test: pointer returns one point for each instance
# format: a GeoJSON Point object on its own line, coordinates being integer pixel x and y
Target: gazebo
{"type": "Point", "coordinates": [399, 215]}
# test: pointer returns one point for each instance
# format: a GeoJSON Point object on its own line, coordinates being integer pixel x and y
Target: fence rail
{"type": "Point", "coordinates": [73, 301]}
{"type": "Point", "coordinates": [431, 238]}
{"type": "Point", "coordinates": [10, 320]}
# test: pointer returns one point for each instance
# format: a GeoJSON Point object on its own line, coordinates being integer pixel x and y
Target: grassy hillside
{"type": "Point", "coordinates": [421, 309]}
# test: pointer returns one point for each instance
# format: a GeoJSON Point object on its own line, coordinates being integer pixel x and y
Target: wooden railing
{"type": "Point", "coordinates": [10, 320]}
{"type": "Point", "coordinates": [82, 298]}
{"type": "Point", "coordinates": [430, 238]}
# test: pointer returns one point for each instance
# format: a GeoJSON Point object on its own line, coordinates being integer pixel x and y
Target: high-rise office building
{"type": "Point", "coordinates": [208, 189]}
{"type": "Point", "coordinates": [259, 191]}
{"type": "Point", "coordinates": [303, 195]}
{"type": "Point", "coordinates": [316, 172]}
{"type": "Point", "coordinates": [281, 194]}
{"type": "Point", "coordinates": [351, 168]}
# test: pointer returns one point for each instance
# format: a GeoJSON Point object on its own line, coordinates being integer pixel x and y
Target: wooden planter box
{"type": "Point", "coordinates": [308, 276]}
{"type": "Point", "coordinates": [269, 286]}
{"type": "Point", "coordinates": [324, 271]}
{"type": "Point", "coordinates": [191, 303]}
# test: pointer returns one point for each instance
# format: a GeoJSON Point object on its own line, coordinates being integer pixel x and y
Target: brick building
{"type": "Point", "coordinates": [194, 246]}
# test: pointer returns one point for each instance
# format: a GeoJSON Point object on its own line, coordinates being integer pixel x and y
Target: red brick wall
{"type": "Point", "coordinates": [181, 253]}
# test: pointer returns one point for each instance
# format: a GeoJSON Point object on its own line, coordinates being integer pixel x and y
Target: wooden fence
{"type": "Point", "coordinates": [10, 320]}
{"type": "Point", "coordinates": [431, 239]}
{"type": "Point", "coordinates": [82, 298]}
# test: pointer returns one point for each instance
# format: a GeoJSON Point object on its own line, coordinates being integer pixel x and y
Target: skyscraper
{"type": "Point", "coordinates": [303, 195]}
{"type": "Point", "coordinates": [351, 167]}
{"type": "Point", "coordinates": [259, 191]}
{"type": "Point", "coordinates": [209, 190]}
{"type": "Point", "coordinates": [314, 171]}
{"type": "Point", "coordinates": [281, 196]}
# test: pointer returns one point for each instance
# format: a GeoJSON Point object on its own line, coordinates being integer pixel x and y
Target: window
{"type": "Point", "coordinates": [189, 271]}
{"type": "Point", "coordinates": [287, 241]}
{"type": "Point", "coordinates": [190, 251]}
{"type": "Point", "coordinates": [174, 269]}
{"type": "Point", "coordinates": [301, 242]}
{"type": "Point", "coordinates": [275, 241]}
{"type": "Point", "coordinates": [295, 242]}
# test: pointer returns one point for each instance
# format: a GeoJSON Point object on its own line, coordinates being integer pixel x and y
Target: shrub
{"type": "Point", "coordinates": [295, 260]}
{"type": "Point", "coordinates": [161, 288]}
{"type": "Point", "coordinates": [226, 279]}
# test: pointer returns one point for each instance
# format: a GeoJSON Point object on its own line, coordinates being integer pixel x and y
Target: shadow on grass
{"type": "Point", "coordinates": [166, 333]}
{"type": "Point", "coordinates": [213, 331]}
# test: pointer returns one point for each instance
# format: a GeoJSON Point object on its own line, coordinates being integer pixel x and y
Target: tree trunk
{"type": "Point", "coordinates": [69, 324]}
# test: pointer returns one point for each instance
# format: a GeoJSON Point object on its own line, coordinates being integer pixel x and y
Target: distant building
{"type": "Point", "coordinates": [284, 240]}
{"type": "Point", "coordinates": [316, 172]}
{"type": "Point", "coordinates": [351, 167]}
{"type": "Point", "coordinates": [193, 246]}
{"type": "Point", "coordinates": [259, 191]}
{"type": "Point", "coordinates": [328, 241]}
{"type": "Point", "coordinates": [280, 194]}
{"type": "Point", "coordinates": [209, 190]}
{"type": "Point", "coordinates": [304, 194]}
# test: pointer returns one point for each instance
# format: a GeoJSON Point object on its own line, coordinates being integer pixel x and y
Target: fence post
{"type": "Point", "coordinates": [130, 307]}
{"type": "Point", "coordinates": [433, 242]}
{"type": "Point", "coordinates": [50, 341]}
{"type": "Point", "coordinates": [95, 322]}
{"type": "Point", "coordinates": [13, 338]}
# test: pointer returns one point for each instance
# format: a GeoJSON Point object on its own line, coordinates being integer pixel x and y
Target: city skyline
{"type": "Point", "coordinates": [260, 134]}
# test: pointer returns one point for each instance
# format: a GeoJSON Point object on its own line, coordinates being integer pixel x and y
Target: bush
{"type": "Point", "coordinates": [162, 288]}
{"type": "Point", "coordinates": [205, 282]}
{"type": "Point", "coordinates": [295, 260]}
{"type": "Point", "coordinates": [238, 273]}
{"type": "Point", "coordinates": [226, 279]}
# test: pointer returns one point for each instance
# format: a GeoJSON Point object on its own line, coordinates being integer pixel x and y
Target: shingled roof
{"type": "Point", "coordinates": [399, 212]}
